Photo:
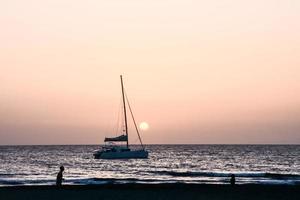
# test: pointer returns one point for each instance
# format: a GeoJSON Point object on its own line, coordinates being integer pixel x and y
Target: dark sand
{"type": "Point", "coordinates": [155, 192]}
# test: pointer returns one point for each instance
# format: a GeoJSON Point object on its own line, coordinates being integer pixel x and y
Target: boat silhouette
{"type": "Point", "coordinates": [112, 149]}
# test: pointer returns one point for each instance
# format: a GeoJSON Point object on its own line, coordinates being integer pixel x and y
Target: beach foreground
{"type": "Point", "coordinates": [146, 191]}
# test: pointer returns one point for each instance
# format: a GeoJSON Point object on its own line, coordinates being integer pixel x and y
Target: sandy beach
{"type": "Point", "coordinates": [143, 191]}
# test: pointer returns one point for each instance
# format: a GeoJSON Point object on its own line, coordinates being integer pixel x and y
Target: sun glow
{"type": "Point", "coordinates": [144, 126]}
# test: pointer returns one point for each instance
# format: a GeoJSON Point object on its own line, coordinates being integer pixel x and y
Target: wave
{"type": "Point", "coordinates": [26, 182]}
{"type": "Point", "coordinates": [17, 174]}
{"type": "Point", "coordinates": [227, 174]}
{"type": "Point", "coordinates": [105, 181]}
{"type": "Point", "coordinates": [111, 180]}
{"type": "Point", "coordinates": [83, 181]}
{"type": "Point", "coordinates": [166, 177]}
{"type": "Point", "coordinates": [11, 182]}
{"type": "Point", "coordinates": [6, 174]}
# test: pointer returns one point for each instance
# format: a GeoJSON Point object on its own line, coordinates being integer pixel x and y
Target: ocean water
{"type": "Point", "coordinates": [200, 164]}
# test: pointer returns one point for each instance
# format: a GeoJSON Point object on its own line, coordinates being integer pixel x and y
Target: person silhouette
{"type": "Point", "coordinates": [59, 177]}
{"type": "Point", "coordinates": [232, 179]}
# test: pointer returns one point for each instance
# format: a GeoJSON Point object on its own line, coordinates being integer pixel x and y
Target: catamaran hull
{"type": "Point", "coordinates": [140, 154]}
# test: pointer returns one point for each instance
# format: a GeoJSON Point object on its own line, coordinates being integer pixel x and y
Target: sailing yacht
{"type": "Point", "coordinates": [114, 151]}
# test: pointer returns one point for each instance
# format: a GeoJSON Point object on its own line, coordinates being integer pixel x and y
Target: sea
{"type": "Point", "coordinates": [187, 164]}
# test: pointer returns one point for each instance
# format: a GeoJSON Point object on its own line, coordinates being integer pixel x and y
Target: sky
{"type": "Point", "coordinates": [196, 71]}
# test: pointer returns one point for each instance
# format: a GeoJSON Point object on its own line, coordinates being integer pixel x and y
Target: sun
{"type": "Point", "coordinates": [144, 126]}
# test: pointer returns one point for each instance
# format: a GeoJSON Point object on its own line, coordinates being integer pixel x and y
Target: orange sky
{"type": "Point", "coordinates": [196, 71]}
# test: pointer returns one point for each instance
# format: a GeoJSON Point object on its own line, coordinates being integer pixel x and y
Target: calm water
{"type": "Point", "coordinates": [209, 164]}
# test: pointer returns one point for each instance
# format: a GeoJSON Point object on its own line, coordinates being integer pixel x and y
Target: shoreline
{"type": "Point", "coordinates": [151, 191]}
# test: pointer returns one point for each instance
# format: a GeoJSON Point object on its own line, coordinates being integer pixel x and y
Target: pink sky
{"type": "Point", "coordinates": [195, 71]}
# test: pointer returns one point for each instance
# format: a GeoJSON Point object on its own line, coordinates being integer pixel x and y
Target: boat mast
{"type": "Point", "coordinates": [136, 128]}
{"type": "Point", "coordinates": [124, 105]}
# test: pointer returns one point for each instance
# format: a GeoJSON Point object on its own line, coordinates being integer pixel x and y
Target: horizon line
{"type": "Point", "coordinates": [253, 144]}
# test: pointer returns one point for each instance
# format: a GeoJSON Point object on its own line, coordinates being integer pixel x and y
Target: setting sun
{"type": "Point", "coordinates": [144, 126]}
